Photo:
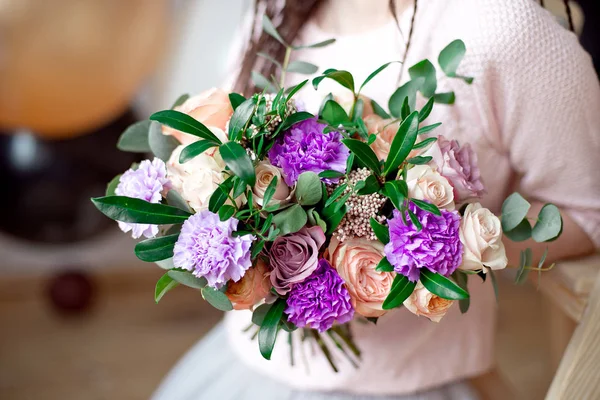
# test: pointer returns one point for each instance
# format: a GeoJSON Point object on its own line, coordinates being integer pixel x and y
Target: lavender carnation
{"type": "Point", "coordinates": [147, 182]}
{"type": "Point", "coordinates": [319, 300]}
{"type": "Point", "coordinates": [436, 247]}
{"type": "Point", "coordinates": [206, 246]}
{"type": "Point", "coordinates": [304, 147]}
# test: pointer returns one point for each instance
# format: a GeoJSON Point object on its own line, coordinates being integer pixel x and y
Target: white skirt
{"type": "Point", "coordinates": [211, 371]}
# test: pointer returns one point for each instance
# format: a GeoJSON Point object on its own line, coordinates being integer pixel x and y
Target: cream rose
{"type": "Point", "coordinates": [424, 183]}
{"type": "Point", "coordinates": [211, 107]}
{"type": "Point", "coordinates": [355, 261]}
{"type": "Point", "coordinates": [265, 172]}
{"type": "Point", "coordinates": [424, 303]}
{"type": "Point", "coordinates": [196, 179]}
{"type": "Point", "coordinates": [252, 288]}
{"type": "Point", "coordinates": [481, 236]}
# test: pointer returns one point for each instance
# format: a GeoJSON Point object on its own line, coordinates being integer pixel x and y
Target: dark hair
{"type": "Point", "coordinates": [289, 17]}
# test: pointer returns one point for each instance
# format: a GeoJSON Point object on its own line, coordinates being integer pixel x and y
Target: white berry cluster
{"type": "Point", "coordinates": [360, 209]}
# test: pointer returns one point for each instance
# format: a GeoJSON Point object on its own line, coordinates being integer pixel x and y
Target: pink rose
{"type": "Point", "coordinates": [294, 257]}
{"type": "Point", "coordinates": [355, 261]}
{"type": "Point", "coordinates": [459, 166]}
{"type": "Point", "coordinates": [424, 303]}
{"type": "Point", "coordinates": [252, 288]}
{"type": "Point", "coordinates": [211, 107]}
{"type": "Point", "coordinates": [385, 129]}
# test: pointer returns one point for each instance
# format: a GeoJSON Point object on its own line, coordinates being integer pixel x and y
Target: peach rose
{"type": "Point", "coordinates": [385, 129]}
{"type": "Point", "coordinates": [424, 183]}
{"type": "Point", "coordinates": [211, 107]}
{"type": "Point", "coordinates": [252, 288]}
{"type": "Point", "coordinates": [265, 172]}
{"type": "Point", "coordinates": [423, 302]}
{"type": "Point", "coordinates": [355, 260]}
{"type": "Point", "coordinates": [481, 236]}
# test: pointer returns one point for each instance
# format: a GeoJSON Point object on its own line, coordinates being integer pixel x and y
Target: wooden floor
{"type": "Point", "coordinates": [126, 343]}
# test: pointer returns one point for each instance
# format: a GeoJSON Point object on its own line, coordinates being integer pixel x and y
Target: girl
{"type": "Point", "coordinates": [531, 115]}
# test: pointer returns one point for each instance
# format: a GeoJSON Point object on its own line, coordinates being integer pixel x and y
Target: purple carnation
{"type": "Point", "coordinates": [436, 247]}
{"type": "Point", "coordinates": [304, 147]}
{"type": "Point", "coordinates": [206, 246]}
{"type": "Point", "coordinates": [320, 300]}
{"type": "Point", "coordinates": [147, 182]}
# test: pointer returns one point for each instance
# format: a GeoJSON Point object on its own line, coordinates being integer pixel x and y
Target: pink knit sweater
{"type": "Point", "coordinates": [532, 115]}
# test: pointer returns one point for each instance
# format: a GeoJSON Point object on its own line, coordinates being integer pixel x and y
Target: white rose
{"type": "Point", "coordinates": [198, 178]}
{"type": "Point", "coordinates": [481, 236]}
{"type": "Point", "coordinates": [265, 172]}
{"type": "Point", "coordinates": [424, 303]}
{"type": "Point", "coordinates": [424, 183]}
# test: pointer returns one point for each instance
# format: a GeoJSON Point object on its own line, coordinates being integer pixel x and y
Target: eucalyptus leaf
{"type": "Point", "coordinates": [514, 210]}
{"type": "Point", "coordinates": [308, 189]}
{"type": "Point", "coordinates": [290, 220]}
{"type": "Point", "coordinates": [426, 71]}
{"type": "Point", "coordinates": [135, 137]}
{"type": "Point", "coordinates": [521, 233]}
{"type": "Point", "coordinates": [174, 199]}
{"type": "Point", "coordinates": [162, 146]}
{"type": "Point", "coordinates": [444, 98]}
{"type": "Point", "coordinates": [165, 264]}
{"type": "Point", "coordinates": [451, 56]}
{"type": "Point", "coordinates": [127, 209]}
{"type": "Point", "coordinates": [163, 285]}
{"type": "Point", "coordinates": [259, 314]}
{"type": "Point", "coordinates": [442, 286]}
{"type": "Point", "coordinates": [268, 57]}
{"type": "Point", "coordinates": [403, 143]}
{"type": "Point", "coordinates": [302, 67]}
{"type": "Point", "coordinates": [112, 185]}
{"type": "Point", "coordinates": [216, 298]}
{"type": "Point", "coordinates": [270, 327]}
{"type": "Point", "coordinates": [236, 158]}
{"type": "Point", "coordinates": [315, 45]}
{"type": "Point", "coordinates": [549, 224]}
{"type": "Point", "coordinates": [401, 289]}
{"type": "Point", "coordinates": [187, 279]}
{"type": "Point", "coordinates": [524, 266]}
{"type": "Point", "coordinates": [261, 82]}
{"type": "Point", "coordinates": [156, 249]}
{"type": "Point", "coordinates": [269, 29]}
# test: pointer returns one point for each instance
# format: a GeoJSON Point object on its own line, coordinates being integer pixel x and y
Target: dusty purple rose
{"type": "Point", "coordinates": [458, 165]}
{"type": "Point", "coordinates": [304, 147]}
{"type": "Point", "coordinates": [147, 182]}
{"type": "Point", "coordinates": [206, 246]}
{"type": "Point", "coordinates": [294, 257]}
{"type": "Point", "coordinates": [320, 300]}
{"type": "Point", "coordinates": [436, 247]}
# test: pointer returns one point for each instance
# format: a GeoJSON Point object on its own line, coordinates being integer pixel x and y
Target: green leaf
{"type": "Point", "coordinates": [315, 45]}
{"type": "Point", "coordinates": [549, 224]}
{"type": "Point", "coordinates": [184, 123]}
{"type": "Point", "coordinates": [444, 98]}
{"type": "Point", "coordinates": [302, 67]}
{"type": "Point", "coordinates": [428, 128]}
{"type": "Point", "coordinates": [337, 192]}
{"type": "Point", "coordinates": [290, 220]}
{"type": "Point", "coordinates": [344, 78]}
{"type": "Point", "coordinates": [349, 163]}
{"type": "Point", "coordinates": [236, 99]}
{"type": "Point", "coordinates": [174, 199]}
{"type": "Point", "coordinates": [415, 221]}
{"type": "Point", "coordinates": [384, 266]}
{"type": "Point", "coordinates": [377, 109]}
{"type": "Point", "coordinates": [195, 149]}
{"type": "Point", "coordinates": [180, 100]}
{"type": "Point", "coordinates": [295, 89]}
{"type": "Point", "coordinates": [240, 118]}
{"type": "Point", "coordinates": [426, 110]}
{"type": "Point", "coordinates": [239, 187]}
{"type": "Point", "coordinates": [226, 211]}
{"type": "Point", "coordinates": [381, 231]}
{"type": "Point", "coordinates": [331, 174]}
{"type": "Point", "coordinates": [333, 220]}
{"type": "Point", "coordinates": [514, 210]}
{"type": "Point", "coordinates": [494, 284]}
{"type": "Point", "coordinates": [216, 298]}
{"type": "Point", "coordinates": [187, 279]}
{"type": "Point", "coordinates": [295, 118]}
{"type": "Point", "coordinates": [442, 286]}
{"type": "Point", "coordinates": [127, 209]}
{"type": "Point", "coordinates": [403, 143]}
{"type": "Point", "coordinates": [401, 289]}
{"type": "Point", "coordinates": [316, 220]}
{"type": "Point", "coordinates": [425, 206]}
{"type": "Point", "coordinates": [257, 248]}
{"type": "Point", "coordinates": [426, 71]}
{"type": "Point", "coordinates": [365, 154]}
{"type": "Point", "coordinates": [334, 114]}
{"type": "Point", "coordinates": [394, 192]}
{"type": "Point", "coordinates": [163, 285]}
{"type": "Point", "coordinates": [521, 233]}
{"type": "Point", "coordinates": [269, 29]}
{"type": "Point", "coordinates": [270, 191]}
{"type": "Point", "coordinates": [308, 189]}
{"type": "Point", "coordinates": [259, 314]}
{"type": "Point", "coordinates": [238, 161]}
{"type": "Point", "coordinates": [424, 143]}
{"type": "Point", "coordinates": [162, 146]}
{"type": "Point", "coordinates": [409, 89]}
{"type": "Point", "coordinates": [165, 264]}
{"type": "Point", "coordinates": [268, 57]}
{"type": "Point", "coordinates": [261, 82]}
{"type": "Point", "coordinates": [451, 56]}
{"type": "Point", "coordinates": [156, 249]}
{"type": "Point", "coordinates": [220, 195]}
{"type": "Point", "coordinates": [269, 328]}
{"type": "Point", "coordinates": [462, 281]}
{"type": "Point", "coordinates": [405, 111]}
{"type": "Point", "coordinates": [524, 265]}
{"type": "Point", "coordinates": [374, 74]}
{"type": "Point", "coordinates": [135, 137]}
{"type": "Point", "coordinates": [419, 160]}
{"type": "Point", "coordinates": [112, 185]}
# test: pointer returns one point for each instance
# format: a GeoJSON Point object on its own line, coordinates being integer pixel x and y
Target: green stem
{"type": "Point", "coordinates": [286, 61]}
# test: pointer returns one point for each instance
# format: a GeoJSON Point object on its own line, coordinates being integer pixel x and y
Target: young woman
{"type": "Point", "coordinates": [531, 115]}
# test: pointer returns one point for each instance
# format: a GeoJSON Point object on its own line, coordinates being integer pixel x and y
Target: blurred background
{"type": "Point", "coordinates": [77, 314]}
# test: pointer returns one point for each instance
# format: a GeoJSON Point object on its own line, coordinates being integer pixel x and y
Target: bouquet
{"type": "Point", "coordinates": [315, 220]}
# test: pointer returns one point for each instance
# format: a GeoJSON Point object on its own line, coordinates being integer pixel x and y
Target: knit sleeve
{"type": "Point", "coordinates": [547, 108]}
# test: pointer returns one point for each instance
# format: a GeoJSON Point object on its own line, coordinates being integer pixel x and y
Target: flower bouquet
{"type": "Point", "coordinates": [315, 220]}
